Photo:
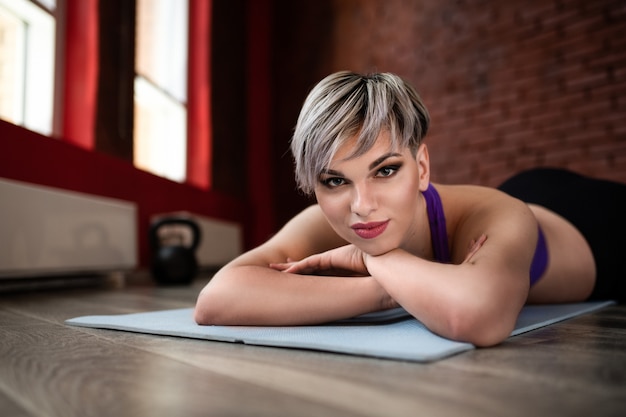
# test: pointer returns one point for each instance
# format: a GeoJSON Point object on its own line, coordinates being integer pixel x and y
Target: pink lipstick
{"type": "Point", "coordinates": [370, 230]}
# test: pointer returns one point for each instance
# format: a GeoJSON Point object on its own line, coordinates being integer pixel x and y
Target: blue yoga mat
{"type": "Point", "coordinates": [391, 334]}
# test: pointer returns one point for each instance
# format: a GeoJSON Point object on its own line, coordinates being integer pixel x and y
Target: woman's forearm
{"type": "Point", "coordinates": [254, 295]}
{"type": "Point", "coordinates": [461, 302]}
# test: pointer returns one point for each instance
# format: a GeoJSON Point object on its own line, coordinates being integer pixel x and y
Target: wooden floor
{"type": "Point", "coordinates": [575, 368]}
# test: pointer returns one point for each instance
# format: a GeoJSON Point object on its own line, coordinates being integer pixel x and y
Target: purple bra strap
{"type": "Point", "coordinates": [439, 237]}
{"type": "Point", "coordinates": [437, 220]}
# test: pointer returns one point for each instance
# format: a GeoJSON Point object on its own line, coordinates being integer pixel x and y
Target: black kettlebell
{"type": "Point", "coordinates": [174, 264]}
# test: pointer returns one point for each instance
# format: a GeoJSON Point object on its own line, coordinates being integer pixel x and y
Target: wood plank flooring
{"type": "Point", "coordinates": [574, 368]}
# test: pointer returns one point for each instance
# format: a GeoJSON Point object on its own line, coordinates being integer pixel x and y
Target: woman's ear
{"type": "Point", "coordinates": [423, 165]}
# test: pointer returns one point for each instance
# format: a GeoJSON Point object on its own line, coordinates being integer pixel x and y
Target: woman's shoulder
{"type": "Point", "coordinates": [309, 216]}
{"type": "Point", "coordinates": [307, 232]}
{"type": "Point", "coordinates": [468, 196]}
{"type": "Point", "coordinates": [472, 210]}
{"type": "Point", "coordinates": [465, 204]}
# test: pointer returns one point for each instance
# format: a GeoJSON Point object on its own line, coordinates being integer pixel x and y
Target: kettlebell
{"type": "Point", "coordinates": [174, 264]}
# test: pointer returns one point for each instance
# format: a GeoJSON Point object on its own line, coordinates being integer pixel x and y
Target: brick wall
{"type": "Point", "coordinates": [509, 84]}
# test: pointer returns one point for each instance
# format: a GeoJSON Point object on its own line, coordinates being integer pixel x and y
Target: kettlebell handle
{"type": "Point", "coordinates": [154, 228]}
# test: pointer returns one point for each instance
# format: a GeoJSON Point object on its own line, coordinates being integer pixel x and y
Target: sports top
{"type": "Point", "coordinates": [439, 237]}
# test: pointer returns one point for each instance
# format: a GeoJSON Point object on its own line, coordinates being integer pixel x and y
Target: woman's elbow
{"type": "Point", "coordinates": [210, 309]}
{"type": "Point", "coordinates": [202, 316]}
{"type": "Point", "coordinates": [479, 330]}
{"type": "Point", "coordinates": [487, 337]}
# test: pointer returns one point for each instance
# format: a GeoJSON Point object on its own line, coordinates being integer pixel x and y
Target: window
{"type": "Point", "coordinates": [27, 49]}
{"type": "Point", "coordinates": [105, 73]}
{"type": "Point", "coordinates": [160, 132]}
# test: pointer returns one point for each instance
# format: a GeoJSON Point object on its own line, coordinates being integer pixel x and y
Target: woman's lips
{"type": "Point", "coordinates": [370, 230]}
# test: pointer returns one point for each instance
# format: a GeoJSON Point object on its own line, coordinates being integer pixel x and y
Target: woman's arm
{"type": "Point", "coordinates": [477, 300]}
{"type": "Point", "coordinates": [478, 297]}
{"type": "Point", "coordinates": [248, 292]}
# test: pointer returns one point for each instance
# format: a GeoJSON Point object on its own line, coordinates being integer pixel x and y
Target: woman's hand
{"type": "Point", "coordinates": [474, 245]}
{"type": "Point", "coordinates": [342, 261]}
{"type": "Point", "coordinates": [346, 261]}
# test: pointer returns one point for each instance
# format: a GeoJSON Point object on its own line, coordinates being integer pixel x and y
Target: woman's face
{"type": "Point", "coordinates": [373, 201]}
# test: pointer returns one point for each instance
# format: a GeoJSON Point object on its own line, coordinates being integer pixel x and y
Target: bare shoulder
{"type": "Point", "coordinates": [477, 202]}
{"type": "Point", "coordinates": [309, 232]}
{"type": "Point", "coordinates": [305, 234]}
{"type": "Point", "coordinates": [472, 210]}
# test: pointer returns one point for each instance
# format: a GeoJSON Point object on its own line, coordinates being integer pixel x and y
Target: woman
{"type": "Point", "coordinates": [457, 257]}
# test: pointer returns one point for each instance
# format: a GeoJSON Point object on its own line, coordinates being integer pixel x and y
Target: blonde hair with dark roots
{"type": "Point", "coordinates": [346, 104]}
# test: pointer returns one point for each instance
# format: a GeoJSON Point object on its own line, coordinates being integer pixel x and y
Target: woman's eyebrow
{"type": "Point", "coordinates": [382, 159]}
{"type": "Point", "coordinates": [331, 172]}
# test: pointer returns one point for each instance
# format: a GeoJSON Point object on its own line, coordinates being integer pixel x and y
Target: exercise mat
{"type": "Point", "coordinates": [391, 334]}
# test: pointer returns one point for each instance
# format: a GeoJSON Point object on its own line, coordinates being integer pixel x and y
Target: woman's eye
{"type": "Point", "coordinates": [387, 171]}
{"type": "Point", "coordinates": [333, 182]}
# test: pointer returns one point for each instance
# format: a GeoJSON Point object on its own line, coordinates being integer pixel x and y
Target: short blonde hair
{"type": "Point", "coordinates": [346, 104]}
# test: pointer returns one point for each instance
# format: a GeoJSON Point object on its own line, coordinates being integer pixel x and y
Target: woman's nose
{"type": "Point", "coordinates": [363, 201]}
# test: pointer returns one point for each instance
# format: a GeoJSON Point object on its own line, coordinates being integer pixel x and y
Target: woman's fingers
{"type": "Point", "coordinates": [475, 245]}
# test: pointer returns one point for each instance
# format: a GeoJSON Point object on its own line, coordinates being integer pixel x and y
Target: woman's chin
{"type": "Point", "coordinates": [374, 249]}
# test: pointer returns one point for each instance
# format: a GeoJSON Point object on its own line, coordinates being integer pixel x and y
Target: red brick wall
{"type": "Point", "coordinates": [509, 84]}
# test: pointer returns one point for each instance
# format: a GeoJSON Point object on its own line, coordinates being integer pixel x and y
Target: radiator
{"type": "Point", "coordinates": [46, 231]}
